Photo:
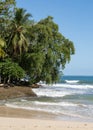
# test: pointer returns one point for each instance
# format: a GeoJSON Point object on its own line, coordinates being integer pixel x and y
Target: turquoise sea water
{"type": "Point", "coordinates": [70, 99]}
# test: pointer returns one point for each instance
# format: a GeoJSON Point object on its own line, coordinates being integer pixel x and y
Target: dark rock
{"type": "Point", "coordinates": [16, 92]}
{"type": "Point", "coordinates": [6, 86]}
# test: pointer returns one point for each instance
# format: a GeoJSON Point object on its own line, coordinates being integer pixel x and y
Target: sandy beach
{"type": "Point", "coordinates": [36, 124]}
{"type": "Point", "coordinates": [19, 119]}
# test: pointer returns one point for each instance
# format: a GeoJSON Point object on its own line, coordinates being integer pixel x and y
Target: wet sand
{"type": "Point", "coordinates": [19, 119]}
{"type": "Point", "coordinates": [22, 113]}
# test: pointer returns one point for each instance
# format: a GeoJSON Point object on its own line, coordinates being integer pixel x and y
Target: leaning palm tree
{"type": "Point", "coordinates": [18, 41]}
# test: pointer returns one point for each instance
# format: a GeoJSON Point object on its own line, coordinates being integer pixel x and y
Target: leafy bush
{"type": "Point", "coordinates": [10, 71]}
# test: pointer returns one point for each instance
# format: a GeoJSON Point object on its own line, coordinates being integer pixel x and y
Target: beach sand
{"type": "Point", "coordinates": [19, 119]}
{"type": "Point", "coordinates": [38, 124]}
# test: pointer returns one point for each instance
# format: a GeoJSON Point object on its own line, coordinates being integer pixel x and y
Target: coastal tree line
{"type": "Point", "coordinates": [30, 49]}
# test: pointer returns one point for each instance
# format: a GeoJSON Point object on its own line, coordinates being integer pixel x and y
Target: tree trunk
{"type": "Point", "coordinates": [8, 81]}
{"type": "Point", "coordinates": [0, 79]}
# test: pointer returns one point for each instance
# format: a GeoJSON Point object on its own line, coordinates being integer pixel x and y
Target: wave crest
{"type": "Point", "coordinates": [72, 81]}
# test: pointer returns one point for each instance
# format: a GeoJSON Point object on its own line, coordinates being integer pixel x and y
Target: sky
{"type": "Point", "coordinates": [75, 21]}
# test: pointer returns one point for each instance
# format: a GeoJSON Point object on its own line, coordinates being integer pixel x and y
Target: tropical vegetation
{"type": "Point", "coordinates": [28, 48]}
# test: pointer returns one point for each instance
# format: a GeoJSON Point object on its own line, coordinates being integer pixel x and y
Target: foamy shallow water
{"type": "Point", "coordinates": [69, 100]}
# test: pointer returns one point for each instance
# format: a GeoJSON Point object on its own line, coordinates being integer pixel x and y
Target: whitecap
{"type": "Point", "coordinates": [56, 104]}
{"type": "Point", "coordinates": [50, 92]}
{"type": "Point", "coordinates": [72, 81]}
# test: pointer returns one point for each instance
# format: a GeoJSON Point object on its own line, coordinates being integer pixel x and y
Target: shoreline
{"type": "Point", "coordinates": [23, 113]}
{"type": "Point", "coordinates": [7, 111]}
{"type": "Point", "coordinates": [20, 119]}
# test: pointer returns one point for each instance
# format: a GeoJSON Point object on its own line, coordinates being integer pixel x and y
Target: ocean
{"type": "Point", "coordinates": [69, 99]}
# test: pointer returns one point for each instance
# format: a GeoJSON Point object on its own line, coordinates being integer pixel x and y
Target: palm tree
{"type": "Point", "coordinates": [18, 41]}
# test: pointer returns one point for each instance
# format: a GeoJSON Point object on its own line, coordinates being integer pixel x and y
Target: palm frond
{"type": "Point", "coordinates": [2, 42]}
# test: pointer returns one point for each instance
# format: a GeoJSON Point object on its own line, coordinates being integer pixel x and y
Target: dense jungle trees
{"type": "Point", "coordinates": [29, 48]}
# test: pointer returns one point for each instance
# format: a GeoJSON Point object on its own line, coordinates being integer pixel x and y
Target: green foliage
{"type": "Point", "coordinates": [5, 6]}
{"type": "Point", "coordinates": [18, 40]}
{"type": "Point", "coordinates": [6, 14]}
{"type": "Point", "coordinates": [2, 45]}
{"type": "Point", "coordinates": [37, 49]}
{"type": "Point", "coordinates": [10, 71]}
{"type": "Point", "coordinates": [32, 63]}
{"type": "Point", "coordinates": [48, 50]}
